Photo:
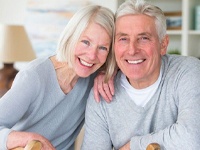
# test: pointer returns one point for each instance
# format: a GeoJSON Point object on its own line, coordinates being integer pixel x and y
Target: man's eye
{"type": "Point", "coordinates": [122, 39]}
{"type": "Point", "coordinates": [86, 42]}
{"type": "Point", "coordinates": [144, 38]}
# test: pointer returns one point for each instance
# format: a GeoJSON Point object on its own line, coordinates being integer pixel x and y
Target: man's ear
{"type": "Point", "coordinates": [164, 45]}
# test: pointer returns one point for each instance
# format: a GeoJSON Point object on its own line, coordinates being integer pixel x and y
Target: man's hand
{"type": "Point", "coordinates": [105, 89]}
{"type": "Point", "coordinates": [126, 147]}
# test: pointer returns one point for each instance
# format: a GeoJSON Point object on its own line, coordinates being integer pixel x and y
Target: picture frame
{"type": "Point", "coordinates": [45, 20]}
{"type": "Point", "coordinates": [173, 20]}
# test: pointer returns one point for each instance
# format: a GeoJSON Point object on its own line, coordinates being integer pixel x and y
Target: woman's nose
{"type": "Point", "coordinates": [92, 53]}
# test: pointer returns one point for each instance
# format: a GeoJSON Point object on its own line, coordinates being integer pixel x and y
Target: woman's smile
{"type": "Point", "coordinates": [85, 63]}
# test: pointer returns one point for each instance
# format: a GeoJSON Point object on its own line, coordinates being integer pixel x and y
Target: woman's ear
{"type": "Point", "coordinates": [164, 45]}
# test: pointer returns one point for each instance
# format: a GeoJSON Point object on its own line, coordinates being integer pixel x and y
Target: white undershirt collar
{"type": "Point", "coordinates": [140, 96]}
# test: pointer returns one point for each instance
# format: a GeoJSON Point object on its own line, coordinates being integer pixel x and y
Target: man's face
{"type": "Point", "coordinates": [138, 50]}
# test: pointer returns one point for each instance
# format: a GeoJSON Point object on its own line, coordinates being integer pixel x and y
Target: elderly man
{"type": "Point", "coordinates": [157, 96]}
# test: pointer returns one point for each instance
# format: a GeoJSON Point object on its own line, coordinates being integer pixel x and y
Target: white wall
{"type": "Point", "coordinates": [112, 4]}
{"type": "Point", "coordinates": [13, 12]}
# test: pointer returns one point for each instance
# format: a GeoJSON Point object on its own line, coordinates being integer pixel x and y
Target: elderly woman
{"type": "Point", "coordinates": [47, 100]}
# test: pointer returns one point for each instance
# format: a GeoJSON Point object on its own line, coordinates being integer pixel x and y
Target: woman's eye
{"type": "Point", "coordinates": [86, 42]}
{"type": "Point", "coordinates": [103, 48]}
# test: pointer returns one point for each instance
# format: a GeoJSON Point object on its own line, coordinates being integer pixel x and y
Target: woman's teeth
{"type": "Point", "coordinates": [85, 63]}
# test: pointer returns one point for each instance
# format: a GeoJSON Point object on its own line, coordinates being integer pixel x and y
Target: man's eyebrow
{"type": "Point", "coordinates": [145, 33]}
{"type": "Point", "coordinates": [121, 34]}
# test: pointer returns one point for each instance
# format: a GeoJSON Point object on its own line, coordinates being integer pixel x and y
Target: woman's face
{"type": "Point", "coordinates": [91, 50]}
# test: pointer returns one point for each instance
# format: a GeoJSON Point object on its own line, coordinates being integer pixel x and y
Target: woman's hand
{"type": "Point", "coordinates": [126, 147]}
{"type": "Point", "coordinates": [20, 139]}
{"type": "Point", "coordinates": [105, 89]}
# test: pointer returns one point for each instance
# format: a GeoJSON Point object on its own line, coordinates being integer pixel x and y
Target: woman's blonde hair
{"type": "Point", "coordinates": [76, 26]}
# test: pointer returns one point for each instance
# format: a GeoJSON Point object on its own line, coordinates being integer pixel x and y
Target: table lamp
{"type": "Point", "coordinates": [15, 46]}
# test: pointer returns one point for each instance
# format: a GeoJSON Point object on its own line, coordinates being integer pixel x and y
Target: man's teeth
{"type": "Point", "coordinates": [135, 61]}
{"type": "Point", "coordinates": [85, 63]}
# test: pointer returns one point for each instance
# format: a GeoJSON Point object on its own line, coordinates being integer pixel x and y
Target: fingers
{"type": "Point", "coordinates": [108, 89]}
{"type": "Point", "coordinates": [46, 145]}
{"type": "Point", "coordinates": [106, 92]}
{"type": "Point", "coordinates": [101, 88]}
{"type": "Point", "coordinates": [111, 86]}
{"type": "Point", "coordinates": [96, 92]}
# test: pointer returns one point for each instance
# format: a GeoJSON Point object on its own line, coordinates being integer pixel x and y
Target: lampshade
{"type": "Point", "coordinates": [15, 44]}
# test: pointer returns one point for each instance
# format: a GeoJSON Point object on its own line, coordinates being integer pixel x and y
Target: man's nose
{"type": "Point", "coordinates": [133, 47]}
